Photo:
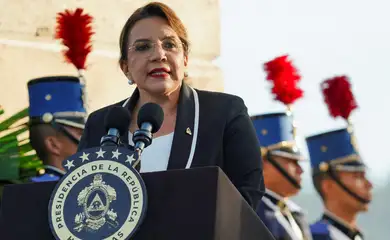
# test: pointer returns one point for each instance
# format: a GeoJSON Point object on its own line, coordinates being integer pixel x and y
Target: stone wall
{"type": "Point", "coordinates": [28, 50]}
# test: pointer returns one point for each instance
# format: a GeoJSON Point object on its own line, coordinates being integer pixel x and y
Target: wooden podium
{"type": "Point", "coordinates": [192, 204]}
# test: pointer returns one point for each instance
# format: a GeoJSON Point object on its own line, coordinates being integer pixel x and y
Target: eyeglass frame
{"type": "Point", "coordinates": [178, 42]}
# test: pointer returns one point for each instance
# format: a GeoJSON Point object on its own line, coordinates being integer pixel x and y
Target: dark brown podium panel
{"type": "Point", "coordinates": [192, 204]}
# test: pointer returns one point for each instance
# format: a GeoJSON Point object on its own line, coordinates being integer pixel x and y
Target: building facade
{"type": "Point", "coordinates": [28, 49]}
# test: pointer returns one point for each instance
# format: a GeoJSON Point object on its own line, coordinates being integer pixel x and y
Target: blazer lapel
{"type": "Point", "coordinates": [184, 129]}
{"type": "Point", "coordinates": [130, 105]}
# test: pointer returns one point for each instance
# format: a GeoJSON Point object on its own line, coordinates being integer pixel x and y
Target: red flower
{"type": "Point", "coordinates": [74, 28]}
{"type": "Point", "coordinates": [338, 96]}
{"type": "Point", "coordinates": [285, 78]}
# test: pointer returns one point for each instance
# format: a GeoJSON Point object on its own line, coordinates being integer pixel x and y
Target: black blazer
{"type": "Point", "coordinates": [221, 134]}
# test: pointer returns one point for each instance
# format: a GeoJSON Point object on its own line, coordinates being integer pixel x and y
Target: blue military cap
{"type": "Point", "coordinates": [276, 133]}
{"type": "Point", "coordinates": [335, 149]}
{"type": "Point", "coordinates": [57, 98]}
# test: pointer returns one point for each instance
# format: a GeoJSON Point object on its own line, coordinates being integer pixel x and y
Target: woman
{"type": "Point", "coordinates": [200, 128]}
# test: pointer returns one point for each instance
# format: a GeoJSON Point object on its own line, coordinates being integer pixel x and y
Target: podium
{"type": "Point", "coordinates": [191, 204]}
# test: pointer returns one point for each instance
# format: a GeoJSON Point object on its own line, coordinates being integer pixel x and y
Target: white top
{"type": "Point", "coordinates": [155, 157]}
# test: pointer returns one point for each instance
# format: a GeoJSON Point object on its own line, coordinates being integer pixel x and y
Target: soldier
{"type": "Point", "coordinates": [57, 103]}
{"type": "Point", "coordinates": [339, 176]}
{"type": "Point", "coordinates": [57, 117]}
{"type": "Point", "coordinates": [282, 177]}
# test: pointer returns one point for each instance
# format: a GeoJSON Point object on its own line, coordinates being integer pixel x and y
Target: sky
{"type": "Point", "coordinates": [324, 39]}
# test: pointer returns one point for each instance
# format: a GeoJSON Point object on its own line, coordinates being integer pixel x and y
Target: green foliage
{"type": "Point", "coordinates": [18, 160]}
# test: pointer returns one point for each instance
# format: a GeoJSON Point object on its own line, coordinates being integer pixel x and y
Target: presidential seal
{"type": "Point", "coordinates": [101, 197]}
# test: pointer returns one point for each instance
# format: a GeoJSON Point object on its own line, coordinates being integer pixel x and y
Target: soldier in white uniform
{"type": "Point", "coordinates": [339, 176]}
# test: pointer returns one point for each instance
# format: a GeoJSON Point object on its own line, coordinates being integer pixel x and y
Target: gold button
{"type": "Point", "coordinates": [47, 117]}
{"type": "Point", "coordinates": [324, 167]}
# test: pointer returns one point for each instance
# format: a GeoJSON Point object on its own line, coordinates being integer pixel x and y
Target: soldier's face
{"type": "Point", "coordinates": [355, 182]}
{"type": "Point", "coordinates": [291, 166]}
{"type": "Point", "coordinates": [75, 132]}
{"type": "Point", "coordinates": [70, 147]}
{"type": "Point", "coordinates": [358, 183]}
{"type": "Point", "coordinates": [275, 179]}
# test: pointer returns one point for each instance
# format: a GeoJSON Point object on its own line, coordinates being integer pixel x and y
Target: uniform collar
{"type": "Point", "coordinates": [53, 170]}
{"type": "Point", "coordinates": [282, 202]}
{"type": "Point", "coordinates": [341, 225]}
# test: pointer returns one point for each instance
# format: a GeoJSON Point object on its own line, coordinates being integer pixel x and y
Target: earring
{"type": "Point", "coordinates": [129, 81]}
{"type": "Point", "coordinates": [185, 74]}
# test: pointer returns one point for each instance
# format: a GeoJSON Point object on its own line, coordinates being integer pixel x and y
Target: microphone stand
{"type": "Point", "coordinates": [142, 138]}
{"type": "Point", "coordinates": [137, 159]}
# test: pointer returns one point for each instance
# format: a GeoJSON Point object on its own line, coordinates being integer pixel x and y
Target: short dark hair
{"type": "Point", "coordinates": [38, 133]}
{"type": "Point", "coordinates": [154, 9]}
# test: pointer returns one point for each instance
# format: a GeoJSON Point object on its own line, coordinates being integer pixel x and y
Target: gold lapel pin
{"type": "Point", "coordinates": [188, 131]}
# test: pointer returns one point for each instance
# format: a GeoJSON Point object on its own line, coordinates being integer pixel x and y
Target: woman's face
{"type": "Point", "coordinates": [155, 58]}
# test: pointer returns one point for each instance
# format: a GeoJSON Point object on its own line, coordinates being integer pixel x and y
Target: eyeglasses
{"type": "Point", "coordinates": [147, 47]}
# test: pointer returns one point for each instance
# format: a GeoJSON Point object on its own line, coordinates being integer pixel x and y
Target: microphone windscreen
{"type": "Point", "coordinates": [151, 113]}
{"type": "Point", "coordinates": [119, 118]}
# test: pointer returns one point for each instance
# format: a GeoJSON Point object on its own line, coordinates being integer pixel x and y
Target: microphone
{"type": "Point", "coordinates": [150, 119]}
{"type": "Point", "coordinates": [116, 124]}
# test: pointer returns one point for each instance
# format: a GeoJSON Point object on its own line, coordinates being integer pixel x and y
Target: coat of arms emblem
{"type": "Point", "coordinates": [96, 212]}
{"type": "Point", "coordinates": [101, 197]}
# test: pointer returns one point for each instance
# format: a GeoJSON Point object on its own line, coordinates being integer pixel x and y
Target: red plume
{"type": "Point", "coordinates": [338, 96]}
{"type": "Point", "coordinates": [285, 78]}
{"type": "Point", "coordinates": [75, 31]}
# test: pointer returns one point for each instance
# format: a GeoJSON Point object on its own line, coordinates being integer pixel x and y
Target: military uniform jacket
{"type": "Point", "coordinates": [331, 227]}
{"type": "Point", "coordinates": [284, 218]}
{"type": "Point", "coordinates": [51, 174]}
